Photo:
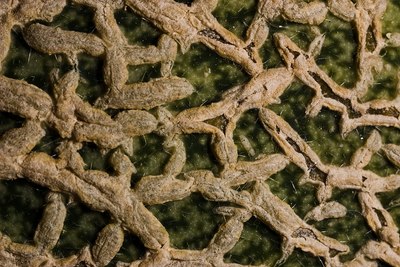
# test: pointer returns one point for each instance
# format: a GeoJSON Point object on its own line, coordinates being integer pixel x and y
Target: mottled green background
{"type": "Point", "coordinates": [191, 222]}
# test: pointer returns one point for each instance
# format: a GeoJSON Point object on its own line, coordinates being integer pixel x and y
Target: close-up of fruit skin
{"type": "Point", "coordinates": [199, 133]}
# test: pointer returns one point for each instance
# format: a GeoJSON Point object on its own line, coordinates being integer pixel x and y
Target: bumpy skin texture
{"type": "Point", "coordinates": [77, 121]}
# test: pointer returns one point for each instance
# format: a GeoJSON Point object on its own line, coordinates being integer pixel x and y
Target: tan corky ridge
{"type": "Point", "coordinates": [77, 121]}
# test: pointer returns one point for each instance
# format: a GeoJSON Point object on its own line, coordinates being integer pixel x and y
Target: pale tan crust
{"type": "Point", "coordinates": [77, 121]}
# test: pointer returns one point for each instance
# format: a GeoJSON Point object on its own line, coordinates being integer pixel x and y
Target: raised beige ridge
{"type": "Point", "coordinates": [77, 121]}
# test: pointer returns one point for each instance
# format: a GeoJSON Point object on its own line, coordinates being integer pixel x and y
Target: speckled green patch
{"type": "Point", "coordinates": [338, 54]}
{"type": "Point", "coordinates": [255, 235]}
{"type": "Point", "coordinates": [143, 73]}
{"type": "Point", "coordinates": [75, 17]}
{"type": "Point", "coordinates": [25, 63]}
{"type": "Point", "coordinates": [93, 158]}
{"type": "Point", "coordinates": [389, 21]}
{"type": "Point", "coordinates": [9, 121]}
{"type": "Point", "coordinates": [351, 229]}
{"type": "Point", "coordinates": [80, 229]}
{"type": "Point", "coordinates": [48, 143]}
{"type": "Point", "coordinates": [381, 165]}
{"type": "Point", "coordinates": [136, 30]}
{"type": "Point", "coordinates": [21, 209]}
{"type": "Point", "coordinates": [391, 202]}
{"type": "Point", "coordinates": [132, 249]}
{"type": "Point", "coordinates": [303, 259]}
{"type": "Point", "coordinates": [322, 132]}
{"type": "Point", "coordinates": [210, 74]}
{"type": "Point", "coordinates": [149, 156]}
{"type": "Point", "coordinates": [91, 83]}
{"type": "Point", "coordinates": [250, 127]}
{"type": "Point", "coordinates": [190, 222]}
{"type": "Point", "coordinates": [235, 16]}
{"type": "Point", "coordinates": [199, 153]}
{"type": "Point", "coordinates": [285, 184]}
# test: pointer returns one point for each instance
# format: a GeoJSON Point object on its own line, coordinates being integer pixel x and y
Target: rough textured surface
{"type": "Point", "coordinates": [166, 109]}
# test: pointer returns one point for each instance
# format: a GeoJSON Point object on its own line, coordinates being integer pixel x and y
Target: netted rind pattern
{"type": "Point", "coordinates": [140, 108]}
